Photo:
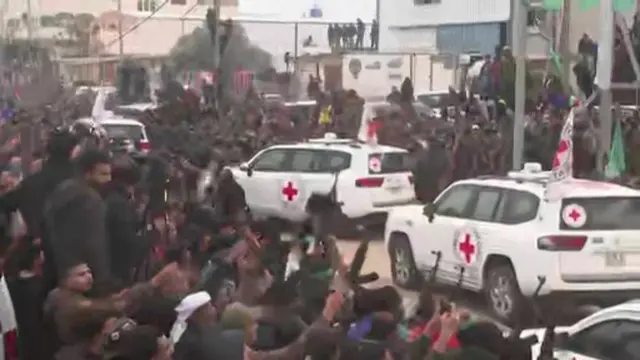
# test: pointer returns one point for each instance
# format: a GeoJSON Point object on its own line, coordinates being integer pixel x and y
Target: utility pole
{"type": "Point", "coordinates": [216, 44]}
{"type": "Point", "coordinates": [603, 79]}
{"type": "Point", "coordinates": [29, 22]}
{"type": "Point", "coordinates": [120, 37]}
{"type": "Point", "coordinates": [564, 47]}
{"type": "Point", "coordinates": [216, 55]}
{"type": "Point", "coordinates": [519, 35]}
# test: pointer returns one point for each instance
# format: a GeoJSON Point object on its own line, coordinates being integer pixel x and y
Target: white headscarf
{"type": "Point", "coordinates": [185, 309]}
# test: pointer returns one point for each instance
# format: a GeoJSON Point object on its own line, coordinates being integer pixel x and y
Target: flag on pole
{"type": "Point", "coordinates": [624, 5]}
{"type": "Point", "coordinates": [242, 82]}
{"type": "Point", "coordinates": [617, 164]}
{"type": "Point", "coordinates": [557, 61]}
{"type": "Point", "coordinates": [618, 5]}
{"type": "Point", "coordinates": [369, 125]}
{"type": "Point", "coordinates": [553, 4]}
{"type": "Point", "coordinates": [98, 112]}
{"type": "Point", "coordinates": [562, 168]}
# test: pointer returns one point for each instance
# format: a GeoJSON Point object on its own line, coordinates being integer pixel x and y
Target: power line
{"type": "Point", "coordinates": [137, 25]}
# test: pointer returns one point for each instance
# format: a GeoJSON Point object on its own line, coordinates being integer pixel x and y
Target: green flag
{"type": "Point", "coordinates": [624, 5]}
{"type": "Point", "coordinates": [557, 61]}
{"type": "Point", "coordinates": [618, 5]}
{"type": "Point", "coordinates": [553, 4]}
{"type": "Point", "coordinates": [590, 4]}
{"type": "Point", "coordinates": [617, 164]}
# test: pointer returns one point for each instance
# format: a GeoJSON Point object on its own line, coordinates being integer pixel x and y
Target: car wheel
{"type": "Point", "coordinates": [503, 294]}
{"type": "Point", "coordinates": [403, 267]}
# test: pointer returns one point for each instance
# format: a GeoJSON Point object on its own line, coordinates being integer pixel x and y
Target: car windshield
{"type": "Point", "coordinates": [133, 132]}
{"type": "Point", "coordinates": [431, 100]}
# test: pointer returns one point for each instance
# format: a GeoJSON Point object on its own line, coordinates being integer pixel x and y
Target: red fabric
{"type": "Point", "coordinates": [372, 128]}
{"type": "Point", "coordinates": [495, 70]}
{"type": "Point", "coordinates": [159, 253]}
{"type": "Point", "coordinates": [415, 333]}
{"type": "Point", "coordinates": [452, 344]}
{"type": "Point", "coordinates": [242, 81]}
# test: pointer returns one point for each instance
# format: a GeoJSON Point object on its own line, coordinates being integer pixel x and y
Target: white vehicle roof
{"type": "Point", "coordinates": [107, 89]}
{"type": "Point", "coordinates": [301, 103]}
{"type": "Point", "coordinates": [535, 182]}
{"type": "Point", "coordinates": [629, 311]}
{"type": "Point", "coordinates": [330, 141]}
{"type": "Point", "coordinates": [121, 121]}
{"type": "Point", "coordinates": [432, 92]}
{"type": "Point", "coordinates": [138, 106]}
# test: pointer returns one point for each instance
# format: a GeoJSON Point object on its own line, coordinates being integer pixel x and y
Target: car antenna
{"type": "Point", "coordinates": [515, 334]}
{"type": "Point", "coordinates": [333, 193]}
{"type": "Point", "coordinates": [436, 266]}
{"type": "Point", "coordinates": [455, 294]}
{"type": "Point", "coordinates": [517, 346]}
{"type": "Point", "coordinates": [461, 272]}
{"type": "Point", "coordinates": [428, 285]}
{"type": "Point", "coordinates": [548, 341]}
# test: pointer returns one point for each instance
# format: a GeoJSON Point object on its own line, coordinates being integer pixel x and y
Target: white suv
{"type": "Point", "coordinates": [504, 233]}
{"type": "Point", "coordinates": [8, 325]}
{"type": "Point", "coordinates": [371, 179]}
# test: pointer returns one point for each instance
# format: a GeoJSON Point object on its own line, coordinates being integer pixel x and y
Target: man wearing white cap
{"type": "Point", "coordinates": [198, 336]}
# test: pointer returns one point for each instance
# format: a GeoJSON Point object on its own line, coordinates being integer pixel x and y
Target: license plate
{"type": "Point", "coordinates": [614, 259]}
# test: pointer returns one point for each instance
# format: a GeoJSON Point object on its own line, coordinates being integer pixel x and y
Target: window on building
{"type": "Point", "coordinates": [426, 2]}
{"type": "Point", "coordinates": [178, 2]}
{"type": "Point", "coordinates": [147, 5]}
{"type": "Point", "coordinates": [536, 17]}
{"type": "Point", "coordinates": [205, 2]}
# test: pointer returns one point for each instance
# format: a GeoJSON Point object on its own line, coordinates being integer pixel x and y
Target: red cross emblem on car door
{"type": "Point", "coordinates": [290, 191]}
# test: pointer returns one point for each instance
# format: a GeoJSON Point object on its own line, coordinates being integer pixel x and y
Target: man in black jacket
{"type": "Point", "coordinates": [229, 200]}
{"type": "Point", "coordinates": [75, 217]}
{"type": "Point", "coordinates": [123, 223]}
{"type": "Point", "coordinates": [30, 195]}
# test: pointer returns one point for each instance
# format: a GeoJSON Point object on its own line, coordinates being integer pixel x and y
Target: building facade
{"type": "Point", "coordinates": [444, 26]}
{"type": "Point", "coordinates": [459, 26]}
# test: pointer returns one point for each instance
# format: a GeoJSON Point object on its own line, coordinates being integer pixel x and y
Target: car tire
{"type": "Point", "coordinates": [403, 267]}
{"type": "Point", "coordinates": [503, 295]}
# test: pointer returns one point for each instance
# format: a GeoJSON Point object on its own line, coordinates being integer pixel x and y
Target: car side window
{"type": "Point", "coordinates": [486, 204]}
{"type": "Point", "coordinates": [270, 160]}
{"type": "Point", "coordinates": [455, 202]}
{"type": "Point", "coordinates": [318, 161]}
{"type": "Point", "coordinates": [612, 340]}
{"type": "Point", "coordinates": [334, 161]}
{"type": "Point", "coordinates": [305, 161]}
{"type": "Point", "coordinates": [519, 206]}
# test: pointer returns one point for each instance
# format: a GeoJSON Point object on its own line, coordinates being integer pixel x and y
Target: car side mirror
{"type": "Point", "coordinates": [429, 210]}
{"type": "Point", "coordinates": [246, 168]}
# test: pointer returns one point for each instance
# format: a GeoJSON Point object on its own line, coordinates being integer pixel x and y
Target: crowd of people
{"type": "Point", "coordinates": [112, 255]}
{"type": "Point", "coordinates": [352, 36]}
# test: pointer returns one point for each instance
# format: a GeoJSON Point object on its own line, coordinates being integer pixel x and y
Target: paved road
{"type": "Point", "coordinates": [378, 260]}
